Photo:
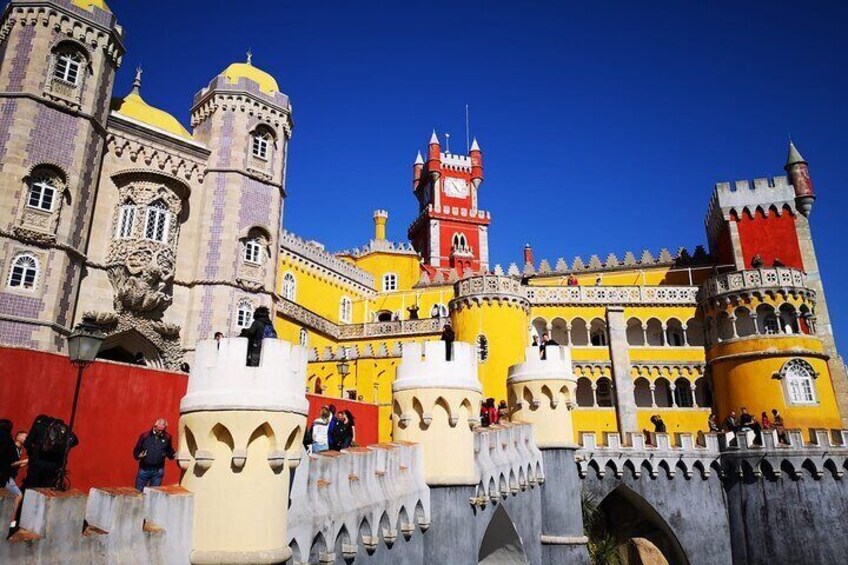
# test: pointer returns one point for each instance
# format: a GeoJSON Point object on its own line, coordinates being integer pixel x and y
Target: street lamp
{"type": "Point", "coordinates": [83, 346]}
{"type": "Point", "coordinates": [343, 368]}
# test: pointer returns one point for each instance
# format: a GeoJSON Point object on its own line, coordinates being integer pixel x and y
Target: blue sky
{"type": "Point", "coordinates": [604, 125]}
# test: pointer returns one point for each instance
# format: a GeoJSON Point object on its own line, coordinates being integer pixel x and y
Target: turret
{"type": "Point", "coordinates": [476, 164]}
{"type": "Point", "coordinates": [434, 158]}
{"type": "Point", "coordinates": [240, 435]}
{"type": "Point", "coordinates": [436, 404]}
{"type": "Point", "coordinates": [380, 219]}
{"type": "Point", "coordinates": [528, 254]}
{"type": "Point", "coordinates": [417, 169]}
{"type": "Point", "coordinates": [799, 177]}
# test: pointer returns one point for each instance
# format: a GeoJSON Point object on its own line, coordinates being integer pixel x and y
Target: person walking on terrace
{"type": "Point", "coordinates": [320, 431]}
{"type": "Point", "coordinates": [151, 450]}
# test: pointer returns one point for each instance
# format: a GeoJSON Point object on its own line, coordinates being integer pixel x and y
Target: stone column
{"type": "Point", "coordinates": [625, 400]}
{"type": "Point", "coordinates": [562, 520]}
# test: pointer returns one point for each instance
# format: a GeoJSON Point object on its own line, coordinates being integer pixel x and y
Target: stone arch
{"type": "Point", "coordinates": [603, 392]}
{"type": "Point", "coordinates": [724, 325]}
{"type": "Point", "coordinates": [767, 320]}
{"type": "Point", "coordinates": [788, 319]}
{"type": "Point", "coordinates": [627, 517]}
{"type": "Point", "coordinates": [703, 394]}
{"type": "Point", "coordinates": [129, 346]}
{"type": "Point", "coordinates": [635, 335]}
{"type": "Point", "coordinates": [538, 327]}
{"type": "Point", "coordinates": [501, 544]}
{"type": "Point", "coordinates": [319, 546]}
{"type": "Point", "coordinates": [579, 332]}
{"type": "Point", "coordinates": [598, 333]}
{"type": "Point", "coordinates": [559, 331]}
{"type": "Point", "coordinates": [662, 393]}
{"type": "Point", "coordinates": [674, 333]}
{"type": "Point", "coordinates": [654, 332]}
{"type": "Point", "coordinates": [745, 324]}
{"type": "Point", "coordinates": [295, 549]}
{"type": "Point", "coordinates": [585, 396]}
{"type": "Point", "coordinates": [642, 393]}
{"type": "Point", "coordinates": [683, 396]}
{"type": "Point", "coordinates": [342, 539]}
{"type": "Point", "coordinates": [695, 332]}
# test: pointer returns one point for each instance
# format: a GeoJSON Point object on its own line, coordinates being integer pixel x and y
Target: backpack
{"type": "Point", "coordinates": [269, 332]}
{"type": "Point", "coordinates": [484, 419]}
{"type": "Point", "coordinates": [54, 437]}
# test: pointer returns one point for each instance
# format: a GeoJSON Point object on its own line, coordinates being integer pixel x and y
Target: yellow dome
{"type": "Point", "coordinates": [134, 107]}
{"type": "Point", "coordinates": [266, 82]}
{"type": "Point", "coordinates": [86, 4]}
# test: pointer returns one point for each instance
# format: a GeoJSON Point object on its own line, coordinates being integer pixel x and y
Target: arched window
{"type": "Point", "coordinates": [244, 314]}
{"type": "Point", "coordinates": [745, 325]}
{"type": "Point", "coordinates": [253, 252]}
{"type": "Point", "coordinates": [766, 320]}
{"type": "Point", "coordinates": [598, 334]}
{"type": "Point", "coordinates": [126, 220]}
{"type": "Point", "coordinates": [384, 316]}
{"type": "Point", "coordinates": [683, 393]}
{"type": "Point", "coordinates": [68, 68]}
{"type": "Point", "coordinates": [24, 272]}
{"type": "Point", "coordinates": [695, 331]}
{"type": "Point", "coordinates": [157, 221]}
{"type": "Point", "coordinates": [662, 393]}
{"type": "Point", "coordinates": [42, 193]}
{"type": "Point", "coordinates": [798, 383]}
{"type": "Point", "coordinates": [654, 333]}
{"type": "Point", "coordinates": [459, 241]}
{"type": "Point", "coordinates": [303, 338]}
{"type": "Point", "coordinates": [482, 348]}
{"type": "Point", "coordinates": [390, 282]}
{"type": "Point", "coordinates": [345, 310]}
{"type": "Point", "coordinates": [603, 392]}
{"type": "Point", "coordinates": [262, 141]}
{"type": "Point", "coordinates": [635, 335]}
{"type": "Point", "coordinates": [788, 319]}
{"type": "Point", "coordinates": [642, 392]}
{"type": "Point", "coordinates": [674, 333]}
{"type": "Point", "coordinates": [289, 287]}
{"type": "Point", "coordinates": [579, 332]}
{"type": "Point", "coordinates": [585, 396]}
{"type": "Point", "coordinates": [703, 394]}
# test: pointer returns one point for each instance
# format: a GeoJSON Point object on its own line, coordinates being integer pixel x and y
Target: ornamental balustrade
{"type": "Point", "coordinates": [754, 280]}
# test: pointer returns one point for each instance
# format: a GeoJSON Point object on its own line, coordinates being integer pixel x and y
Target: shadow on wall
{"type": "Point", "coordinates": [501, 544]}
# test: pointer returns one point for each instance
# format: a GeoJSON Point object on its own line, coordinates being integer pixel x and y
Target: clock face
{"type": "Point", "coordinates": [457, 188]}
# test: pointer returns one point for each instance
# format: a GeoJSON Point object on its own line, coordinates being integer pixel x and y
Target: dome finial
{"type": "Point", "coordinates": [249, 56]}
{"type": "Point", "coordinates": [137, 81]}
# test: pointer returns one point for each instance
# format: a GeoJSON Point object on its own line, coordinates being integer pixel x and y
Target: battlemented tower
{"type": "Point", "coordinates": [451, 231]}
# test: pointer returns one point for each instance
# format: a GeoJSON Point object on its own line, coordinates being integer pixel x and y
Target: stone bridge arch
{"type": "Point", "coordinates": [501, 544]}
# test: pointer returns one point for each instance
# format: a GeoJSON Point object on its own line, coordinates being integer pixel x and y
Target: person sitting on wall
{"type": "Point", "coordinates": [341, 434]}
{"type": "Point", "coordinates": [777, 263]}
{"type": "Point", "coordinates": [764, 421]}
{"type": "Point", "coordinates": [261, 328]}
{"type": "Point", "coordinates": [572, 281]}
{"type": "Point", "coordinates": [546, 341]}
{"type": "Point", "coordinates": [757, 261]}
{"type": "Point", "coordinates": [779, 427]}
{"type": "Point", "coordinates": [413, 312]}
{"type": "Point", "coordinates": [151, 450]}
{"type": "Point", "coordinates": [747, 422]}
{"type": "Point", "coordinates": [659, 425]}
{"type": "Point", "coordinates": [712, 424]}
{"type": "Point", "coordinates": [448, 337]}
{"type": "Point", "coordinates": [503, 411]}
{"type": "Point", "coordinates": [730, 424]}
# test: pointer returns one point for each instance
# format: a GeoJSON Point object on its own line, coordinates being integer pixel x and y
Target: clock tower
{"type": "Point", "coordinates": [450, 231]}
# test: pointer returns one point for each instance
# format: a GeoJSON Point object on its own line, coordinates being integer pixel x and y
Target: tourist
{"type": "Point", "coordinates": [151, 450]}
{"type": "Point", "coordinates": [757, 262]}
{"type": "Point", "coordinates": [778, 426]}
{"type": "Point", "coordinates": [10, 456]}
{"type": "Point", "coordinates": [45, 445]}
{"type": "Point", "coordinates": [764, 421]}
{"type": "Point", "coordinates": [730, 424]}
{"type": "Point", "coordinates": [572, 281]}
{"type": "Point", "coordinates": [777, 263]}
{"type": "Point", "coordinates": [435, 311]}
{"type": "Point", "coordinates": [747, 422]}
{"type": "Point", "coordinates": [341, 434]}
{"type": "Point", "coordinates": [599, 281]}
{"type": "Point", "coordinates": [712, 424]}
{"type": "Point", "coordinates": [219, 336]}
{"type": "Point", "coordinates": [261, 328]}
{"type": "Point", "coordinates": [535, 339]}
{"type": "Point", "coordinates": [546, 341]}
{"type": "Point", "coordinates": [492, 412]}
{"type": "Point", "coordinates": [659, 425]}
{"type": "Point", "coordinates": [320, 431]}
{"type": "Point", "coordinates": [351, 421]}
{"type": "Point", "coordinates": [448, 337]}
{"type": "Point", "coordinates": [139, 359]}
{"type": "Point", "coordinates": [503, 411]}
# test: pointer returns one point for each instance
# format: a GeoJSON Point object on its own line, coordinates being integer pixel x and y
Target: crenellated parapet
{"type": "Point", "coordinates": [241, 431]}
{"type": "Point", "coordinates": [542, 392]}
{"type": "Point", "coordinates": [827, 452]}
{"type": "Point", "coordinates": [652, 460]}
{"type": "Point", "coordinates": [507, 461]}
{"type": "Point", "coordinates": [436, 403]}
{"type": "Point", "coordinates": [354, 502]}
{"type": "Point", "coordinates": [109, 525]}
{"type": "Point", "coordinates": [743, 196]}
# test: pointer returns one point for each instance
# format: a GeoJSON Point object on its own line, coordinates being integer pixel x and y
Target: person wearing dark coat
{"type": "Point", "coordinates": [262, 327]}
{"type": "Point", "coordinates": [546, 341]}
{"type": "Point", "coordinates": [448, 337]}
{"type": "Point", "coordinates": [151, 450]}
{"type": "Point", "coordinates": [44, 468]}
{"type": "Point", "coordinates": [341, 434]}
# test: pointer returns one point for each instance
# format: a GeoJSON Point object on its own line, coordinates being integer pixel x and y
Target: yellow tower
{"type": "Point", "coordinates": [762, 349]}
{"type": "Point", "coordinates": [541, 392]}
{"type": "Point", "coordinates": [380, 219]}
{"type": "Point", "coordinates": [490, 312]}
{"type": "Point", "coordinates": [240, 434]}
{"type": "Point", "coordinates": [436, 403]}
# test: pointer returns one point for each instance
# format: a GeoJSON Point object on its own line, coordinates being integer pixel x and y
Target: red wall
{"type": "Point", "coordinates": [117, 403]}
{"type": "Point", "coordinates": [364, 414]}
{"type": "Point", "coordinates": [771, 237]}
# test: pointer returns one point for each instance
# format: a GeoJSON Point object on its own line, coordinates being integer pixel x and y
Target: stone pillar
{"type": "Point", "coordinates": [625, 400]}
{"type": "Point", "coordinates": [240, 434]}
{"type": "Point", "coordinates": [551, 386]}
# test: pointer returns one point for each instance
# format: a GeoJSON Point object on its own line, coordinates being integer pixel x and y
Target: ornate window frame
{"type": "Point", "coordinates": [345, 310]}
{"type": "Point", "coordinates": [21, 272]}
{"type": "Point", "coordinates": [70, 65]}
{"type": "Point", "coordinates": [798, 378]}
{"type": "Point", "coordinates": [157, 221]}
{"type": "Point", "coordinates": [45, 179]}
{"type": "Point", "coordinates": [125, 226]}
{"type": "Point", "coordinates": [289, 287]}
{"type": "Point", "coordinates": [244, 314]}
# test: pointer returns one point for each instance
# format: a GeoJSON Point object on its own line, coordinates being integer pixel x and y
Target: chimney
{"type": "Point", "coordinates": [380, 219]}
{"type": "Point", "coordinates": [528, 255]}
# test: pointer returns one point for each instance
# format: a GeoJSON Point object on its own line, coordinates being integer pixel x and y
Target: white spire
{"type": "Point", "coordinates": [419, 160]}
{"type": "Point", "coordinates": [474, 145]}
{"type": "Point", "coordinates": [434, 138]}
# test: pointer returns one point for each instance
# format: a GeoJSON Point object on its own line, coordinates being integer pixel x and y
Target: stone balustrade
{"type": "Point", "coordinates": [754, 280]}
{"type": "Point", "coordinates": [353, 501]}
{"type": "Point", "coordinates": [507, 461]}
{"type": "Point", "coordinates": [109, 525]}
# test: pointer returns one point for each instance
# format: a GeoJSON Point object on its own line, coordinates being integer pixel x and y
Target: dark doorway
{"type": "Point", "coordinates": [501, 544]}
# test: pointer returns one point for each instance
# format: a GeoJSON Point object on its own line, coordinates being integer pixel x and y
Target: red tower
{"type": "Point", "coordinates": [450, 230]}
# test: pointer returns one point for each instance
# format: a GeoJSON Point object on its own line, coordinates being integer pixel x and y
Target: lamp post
{"type": "Point", "coordinates": [343, 368]}
{"type": "Point", "coordinates": [83, 346]}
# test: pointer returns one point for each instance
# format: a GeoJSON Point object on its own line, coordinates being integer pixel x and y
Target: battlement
{"type": "Point", "coordinates": [555, 366]}
{"type": "Point", "coordinates": [220, 379]}
{"type": "Point", "coordinates": [744, 196]}
{"type": "Point", "coordinates": [110, 525]}
{"type": "Point", "coordinates": [332, 265]}
{"type": "Point", "coordinates": [507, 461]}
{"type": "Point", "coordinates": [427, 367]}
{"type": "Point", "coordinates": [456, 162]}
{"type": "Point", "coordinates": [380, 245]}
{"type": "Point", "coordinates": [356, 499]}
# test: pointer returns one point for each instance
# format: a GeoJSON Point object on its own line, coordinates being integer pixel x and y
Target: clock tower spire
{"type": "Point", "coordinates": [450, 232]}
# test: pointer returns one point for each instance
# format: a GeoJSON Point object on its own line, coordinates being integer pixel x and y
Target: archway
{"type": "Point", "coordinates": [625, 520]}
{"type": "Point", "coordinates": [501, 544]}
{"type": "Point", "coordinates": [130, 347]}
